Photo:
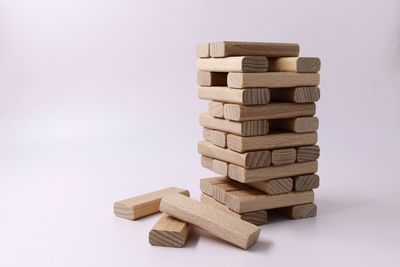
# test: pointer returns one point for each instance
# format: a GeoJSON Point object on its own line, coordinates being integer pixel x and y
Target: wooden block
{"type": "Point", "coordinates": [207, 184]}
{"type": "Point", "coordinates": [216, 109]}
{"type": "Point", "coordinates": [203, 50]}
{"type": "Point", "coordinates": [296, 94]}
{"type": "Point", "coordinates": [283, 156]}
{"type": "Point", "coordinates": [272, 79]}
{"type": "Point", "coordinates": [256, 159]}
{"type": "Point", "coordinates": [300, 211]}
{"type": "Point", "coordinates": [274, 187]}
{"type": "Point", "coordinates": [233, 64]}
{"type": "Point", "coordinates": [169, 232]}
{"type": "Point", "coordinates": [207, 78]}
{"type": "Point", "coordinates": [211, 219]}
{"type": "Point", "coordinates": [258, 217]}
{"type": "Point", "coordinates": [297, 125]}
{"type": "Point", "coordinates": [295, 64]}
{"type": "Point", "coordinates": [245, 128]}
{"type": "Point", "coordinates": [251, 200]}
{"type": "Point", "coordinates": [221, 189]}
{"type": "Point", "coordinates": [270, 111]}
{"type": "Point", "coordinates": [217, 166]}
{"type": "Point", "coordinates": [307, 153]}
{"type": "Point", "coordinates": [271, 172]}
{"type": "Point", "coordinates": [227, 48]}
{"type": "Point", "coordinates": [254, 96]}
{"type": "Point", "coordinates": [215, 137]}
{"type": "Point", "coordinates": [305, 182]}
{"type": "Point", "coordinates": [271, 141]}
{"type": "Point", "coordinates": [143, 205]}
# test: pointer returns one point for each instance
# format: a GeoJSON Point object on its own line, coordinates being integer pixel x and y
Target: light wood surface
{"type": "Point", "coordinates": [216, 109]}
{"type": "Point", "coordinates": [295, 64]}
{"type": "Point", "coordinates": [143, 205]}
{"type": "Point", "coordinates": [221, 189]}
{"type": "Point", "coordinates": [300, 211]}
{"type": "Point", "coordinates": [211, 219]}
{"type": "Point", "coordinates": [232, 48]}
{"type": "Point", "coordinates": [307, 153]}
{"type": "Point", "coordinates": [271, 172]}
{"type": "Point", "coordinates": [207, 78]}
{"type": "Point", "coordinates": [169, 232]}
{"type": "Point", "coordinates": [217, 166]}
{"type": "Point", "coordinates": [296, 94]}
{"type": "Point", "coordinates": [275, 186]}
{"type": "Point", "coordinates": [254, 96]}
{"type": "Point", "coordinates": [271, 141]}
{"type": "Point", "coordinates": [283, 156]}
{"type": "Point", "coordinates": [207, 184]}
{"type": "Point", "coordinates": [233, 64]}
{"type": "Point", "coordinates": [203, 50]}
{"type": "Point", "coordinates": [305, 182]}
{"type": "Point", "coordinates": [297, 125]}
{"type": "Point", "coordinates": [272, 79]}
{"type": "Point", "coordinates": [217, 138]}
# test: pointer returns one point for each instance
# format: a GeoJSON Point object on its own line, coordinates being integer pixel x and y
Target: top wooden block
{"type": "Point", "coordinates": [203, 50]}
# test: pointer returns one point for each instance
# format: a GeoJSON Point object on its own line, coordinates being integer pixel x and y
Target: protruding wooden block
{"type": "Point", "coordinates": [254, 96]}
{"type": "Point", "coordinates": [229, 48]}
{"type": "Point", "coordinates": [283, 156]}
{"type": "Point", "coordinates": [217, 166]}
{"type": "Point", "coordinates": [203, 50]}
{"type": "Point", "coordinates": [233, 64]}
{"type": "Point", "coordinates": [274, 187]}
{"type": "Point", "coordinates": [300, 211]}
{"type": "Point", "coordinates": [307, 153]}
{"type": "Point", "coordinates": [296, 94]}
{"type": "Point", "coordinates": [215, 137]}
{"type": "Point", "coordinates": [211, 219]}
{"type": "Point", "coordinates": [305, 182]}
{"type": "Point", "coordinates": [207, 184]}
{"type": "Point", "coordinates": [295, 64]}
{"type": "Point", "coordinates": [216, 109]}
{"type": "Point", "coordinates": [272, 79]}
{"type": "Point", "coordinates": [169, 232]}
{"type": "Point", "coordinates": [297, 125]}
{"type": "Point", "coordinates": [143, 205]}
{"type": "Point", "coordinates": [221, 189]}
{"type": "Point", "coordinates": [207, 78]}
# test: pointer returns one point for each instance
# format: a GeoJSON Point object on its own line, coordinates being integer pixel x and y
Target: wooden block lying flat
{"type": "Point", "coordinates": [283, 156]}
{"type": "Point", "coordinates": [258, 217]}
{"type": "Point", "coordinates": [300, 211]}
{"type": "Point", "coordinates": [256, 159]}
{"type": "Point", "coordinates": [233, 64]}
{"type": "Point", "coordinates": [271, 141]}
{"type": "Point", "coordinates": [295, 64]}
{"type": "Point", "coordinates": [270, 111]}
{"type": "Point", "coordinates": [169, 232]}
{"type": "Point", "coordinates": [143, 205]}
{"type": "Point", "coordinates": [221, 189]}
{"type": "Point", "coordinates": [245, 128]}
{"type": "Point", "coordinates": [207, 184]}
{"type": "Point", "coordinates": [305, 182]}
{"type": "Point", "coordinates": [211, 219]}
{"type": "Point", "coordinates": [216, 109]}
{"type": "Point", "coordinates": [272, 172]}
{"type": "Point", "coordinates": [217, 166]}
{"type": "Point", "coordinates": [206, 78]}
{"type": "Point", "coordinates": [296, 94]}
{"type": "Point", "coordinates": [307, 153]}
{"type": "Point", "coordinates": [203, 50]}
{"type": "Point", "coordinates": [297, 125]}
{"type": "Point", "coordinates": [227, 48]}
{"type": "Point", "coordinates": [254, 96]}
{"type": "Point", "coordinates": [272, 79]}
{"type": "Point", "coordinates": [215, 137]}
{"type": "Point", "coordinates": [251, 200]}
{"type": "Point", "coordinates": [274, 187]}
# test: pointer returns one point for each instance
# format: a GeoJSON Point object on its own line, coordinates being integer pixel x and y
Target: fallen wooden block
{"type": "Point", "coordinates": [169, 232]}
{"type": "Point", "coordinates": [143, 205]}
{"type": "Point", "coordinates": [203, 50]}
{"type": "Point", "coordinates": [207, 78]}
{"type": "Point", "coordinates": [216, 109]}
{"type": "Point", "coordinates": [227, 48]}
{"type": "Point", "coordinates": [256, 159]}
{"type": "Point", "coordinates": [300, 211]}
{"type": "Point", "coordinates": [307, 153]}
{"type": "Point", "coordinates": [296, 94]}
{"type": "Point", "coordinates": [270, 111]}
{"type": "Point", "coordinates": [297, 125]}
{"type": "Point", "coordinates": [207, 184]}
{"type": "Point", "coordinates": [271, 172]}
{"type": "Point", "coordinates": [245, 128]}
{"type": "Point", "coordinates": [233, 64]}
{"type": "Point", "coordinates": [211, 219]}
{"type": "Point", "coordinates": [215, 165]}
{"type": "Point", "coordinates": [221, 189]}
{"type": "Point", "coordinates": [305, 182]}
{"type": "Point", "coordinates": [254, 96]}
{"type": "Point", "coordinates": [275, 186]}
{"type": "Point", "coordinates": [295, 64]}
{"type": "Point", "coordinates": [215, 137]}
{"type": "Point", "coordinates": [272, 79]}
{"type": "Point", "coordinates": [271, 141]}
{"type": "Point", "coordinates": [283, 156]}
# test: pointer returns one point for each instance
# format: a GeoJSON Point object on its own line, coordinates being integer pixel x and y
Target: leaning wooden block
{"type": "Point", "coordinates": [254, 96]}
{"type": "Point", "coordinates": [283, 156]}
{"type": "Point", "coordinates": [221, 189]}
{"type": "Point", "coordinates": [272, 79]}
{"type": "Point", "coordinates": [233, 64]}
{"type": "Point", "coordinates": [297, 125]}
{"type": "Point", "coordinates": [215, 137]}
{"type": "Point", "coordinates": [216, 109]}
{"type": "Point", "coordinates": [305, 182]}
{"type": "Point", "coordinates": [296, 94]}
{"type": "Point", "coordinates": [307, 153]}
{"type": "Point", "coordinates": [169, 232]}
{"type": "Point", "coordinates": [275, 186]}
{"type": "Point", "coordinates": [245, 128]}
{"type": "Point", "coordinates": [143, 205]}
{"type": "Point", "coordinates": [295, 64]}
{"type": "Point", "coordinates": [207, 78]}
{"type": "Point", "coordinates": [271, 172]}
{"type": "Point", "coordinates": [214, 165]}
{"type": "Point", "coordinates": [207, 184]}
{"type": "Point", "coordinates": [203, 50]}
{"type": "Point", "coordinates": [229, 48]}
{"type": "Point", "coordinates": [211, 219]}
{"type": "Point", "coordinates": [300, 211]}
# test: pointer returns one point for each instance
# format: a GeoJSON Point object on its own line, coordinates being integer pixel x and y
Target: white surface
{"type": "Point", "coordinates": [98, 102]}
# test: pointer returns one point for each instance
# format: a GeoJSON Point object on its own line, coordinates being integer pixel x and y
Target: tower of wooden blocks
{"type": "Point", "coordinates": [260, 129]}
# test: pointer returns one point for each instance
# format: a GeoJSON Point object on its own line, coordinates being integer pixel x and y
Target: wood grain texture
{"type": "Point", "coordinates": [255, 159]}
{"type": "Point", "coordinates": [307, 153]}
{"type": "Point", "coordinates": [275, 186]}
{"type": "Point", "coordinates": [271, 141]}
{"type": "Point", "coordinates": [221, 189]}
{"type": "Point", "coordinates": [207, 184]}
{"type": "Point", "coordinates": [216, 109]}
{"type": "Point", "coordinates": [232, 48]}
{"type": "Point", "coordinates": [283, 156]}
{"type": "Point", "coordinates": [143, 205]}
{"type": "Point", "coordinates": [211, 219]}
{"type": "Point", "coordinates": [217, 166]}
{"type": "Point", "coordinates": [203, 50]}
{"type": "Point", "coordinates": [271, 172]}
{"type": "Point", "coordinates": [270, 111]}
{"type": "Point", "coordinates": [297, 125]}
{"type": "Point", "coordinates": [244, 128]}
{"type": "Point", "coordinates": [254, 96]}
{"type": "Point", "coordinates": [272, 79]}
{"type": "Point", "coordinates": [233, 64]}
{"type": "Point", "coordinates": [295, 64]}
{"type": "Point", "coordinates": [215, 137]}
{"type": "Point", "coordinates": [296, 94]}
{"type": "Point", "coordinates": [169, 232]}
{"type": "Point", "coordinates": [305, 182]}
{"type": "Point", "coordinates": [207, 78]}
{"type": "Point", "coordinates": [300, 211]}
{"type": "Point", "coordinates": [251, 200]}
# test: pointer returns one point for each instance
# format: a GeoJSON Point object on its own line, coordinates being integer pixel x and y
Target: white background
{"type": "Point", "coordinates": [98, 102]}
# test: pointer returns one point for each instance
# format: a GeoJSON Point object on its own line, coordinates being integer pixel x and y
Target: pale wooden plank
{"type": "Point", "coordinates": [283, 156]}
{"type": "Point", "coordinates": [275, 186]}
{"type": "Point", "coordinates": [203, 50]}
{"type": "Point", "coordinates": [305, 182]}
{"type": "Point", "coordinates": [169, 232]}
{"type": "Point", "coordinates": [207, 78]}
{"type": "Point", "coordinates": [295, 64]}
{"type": "Point", "coordinates": [207, 184]}
{"type": "Point", "coordinates": [221, 189]}
{"type": "Point", "coordinates": [296, 94]}
{"type": "Point", "coordinates": [233, 64]}
{"type": "Point", "coordinates": [254, 96]}
{"type": "Point", "coordinates": [297, 125]}
{"type": "Point", "coordinates": [217, 138]}
{"type": "Point", "coordinates": [300, 211]}
{"type": "Point", "coordinates": [272, 79]}
{"type": "Point", "coordinates": [307, 153]}
{"type": "Point", "coordinates": [217, 166]}
{"type": "Point", "coordinates": [216, 109]}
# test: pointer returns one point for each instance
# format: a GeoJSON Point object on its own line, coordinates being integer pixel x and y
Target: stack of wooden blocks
{"type": "Point", "coordinates": [260, 129]}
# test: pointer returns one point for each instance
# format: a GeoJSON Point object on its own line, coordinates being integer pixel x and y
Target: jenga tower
{"type": "Point", "coordinates": [260, 129]}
